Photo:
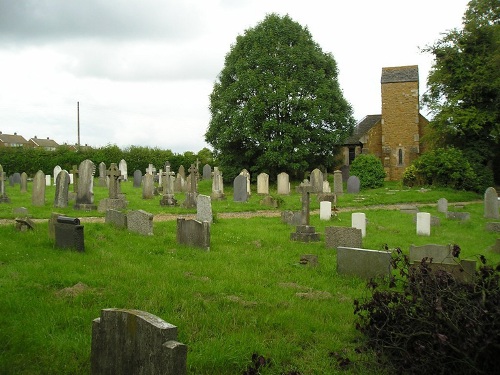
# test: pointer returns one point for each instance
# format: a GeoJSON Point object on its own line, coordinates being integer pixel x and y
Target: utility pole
{"type": "Point", "coordinates": [78, 121]}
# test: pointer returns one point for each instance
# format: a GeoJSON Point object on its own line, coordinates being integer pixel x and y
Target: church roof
{"type": "Point", "coordinates": [400, 74]}
{"type": "Point", "coordinates": [362, 128]}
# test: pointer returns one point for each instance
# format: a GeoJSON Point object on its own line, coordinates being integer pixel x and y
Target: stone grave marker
{"type": "Point", "coordinates": [496, 247]}
{"type": "Point", "coordinates": [269, 201]}
{"type": "Point", "coordinates": [353, 185]}
{"type": "Point", "coordinates": [240, 188]}
{"type": "Point", "coordinates": [193, 233]}
{"type": "Point", "coordinates": [423, 224]}
{"type": "Point", "coordinates": [190, 201]}
{"type": "Point", "coordinates": [457, 215]}
{"type": "Point", "coordinates": [115, 200]}
{"type": "Point", "coordinates": [338, 187]}
{"type": "Point", "coordinates": [343, 236]}
{"type": "Point", "coordinates": [363, 263]}
{"type": "Point", "coordinates": [358, 220]}
{"type": "Point", "coordinates": [102, 182]}
{"type": "Point", "coordinates": [24, 224]}
{"type": "Point", "coordinates": [283, 184]}
{"type": "Point", "coordinates": [16, 178]}
{"type": "Point", "coordinates": [435, 221]}
{"type": "Point", "coordinates": [168, 181]}
{"type": "Point", "coordinates": [148, 186]}
{"type": "Point", "coordinates": [204, 209]}
{"type": "Point", "coordinates": [326, 187]}
{"type": "Point", "coordinates": [3, 195]}
{"type": "Point", "coordinates": [69, 233]}
{"type": "Point", "coordinates": [57, 169]}
{"type": "Point", "coordinates": [134, 342]}
{"type": "Point", "coordinates": [137, 178]}
{"type": "Point", "coordinates": [325, 210]}
{"type": "Point", "coordinates": [493, 227]}
{"type": "Point", "coordinates": [263, 183]}
{"type": "Point", "coordinates": [20, 212]}
{"type": "Point", "coordinates": [317, 181]}
{"type": "Point", "coordinates": [207, 172]}
{"type": "Point", "coordinates": [217, 185]}
{"type": "Point", "coordinates": [11, 180]}
{"type": "Point", "coordinates": [182, 172]}
{"type": "Point", "coordinates": [491, 204]}
{"type": "Point", "coordinates": [141, 222]}
{"type": "Point", "coordinates": [304, 232]}
{"type": "Point", "coordinates": [48, 180]}
{"type": "Point", "coordinates": [116, 218]}
{"type": "Point", "coordinates": [62, 189]}
{"type": "Point", "coordinates": [292, 217]}
{"type": "Point", "coordinates": [122, 166]}
{"type": "Point", "coordinates": [245, 173]}
{"type": "Point", "coordinates": [85, 188]}
{"type": "Point", "coordinates": [38, 193]}
{"type": "Point", "coordinates": [442, 205]}
{"type": "Point", "coordinates": [24, 182]}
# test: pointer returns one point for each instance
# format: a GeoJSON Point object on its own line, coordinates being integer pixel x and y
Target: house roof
{"type": "Point", "coordinates": [362, 128]}
{"type": "Point", "coordinates": [41, 142]}
{"type": "Point", "coordinates": [400, 74]}
{"type": "Point", "coordinates": [12, 138]}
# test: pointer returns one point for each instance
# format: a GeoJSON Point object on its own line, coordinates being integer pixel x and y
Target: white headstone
{"type": "Point", "coordinates": [283, 184]}
{"type": "Point", "coordinates": [122, 166]}
{"type": "Point", "coordinates": [48, 180]}
{"type": "Point", "coordinates": [263, 183]}
{"type": "Point", "coordinates": [423, 224]}
{"type": "Point", "coordinates": [57, 170]}
{"type": "Point", "coordinates": [325, 210]}
{"type": "Point", "coordinates": [358, 220]}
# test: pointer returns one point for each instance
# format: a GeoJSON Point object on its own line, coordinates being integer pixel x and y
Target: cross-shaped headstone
{"type": "Point", "coordinates": [74, 171]}
{"type": "Point", "coordinates": [114, 175]}
{"type": "Point", "coordinates": [193, 174]}
{"type": "Point", "coordinates": [305, 190]}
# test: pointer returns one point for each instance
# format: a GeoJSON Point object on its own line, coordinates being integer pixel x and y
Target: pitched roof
{"type": "Point", "coordinates": [400, 74]}
{"type": "Point", "coordinates": [12, 138]}
{"type": "Point", "coordinates": [362, 128]}
{"type": "Point", "coordinates": [41, 142]}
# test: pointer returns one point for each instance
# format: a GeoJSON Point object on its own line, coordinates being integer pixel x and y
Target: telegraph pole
{"type": "Point", "coordinates": [78, 121]}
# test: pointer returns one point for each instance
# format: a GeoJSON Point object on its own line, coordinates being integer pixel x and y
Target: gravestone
{"type": "Point", "coordinates": [190, 201]}
{"type": "Point", "coordinates": [269, 201]}
{"type": "Point", "coordinates": [204, 209]}
{"type": "Point", "coordinates": [102, 182]}
{"type": "Point", "coordinates": [283, 184]}
{"type": "Point", "coordinates": [122, 166]}
{"type": "Point", "coordinates": [240, 190]}
{"type": "Point", "coordinates": [493, 227]}
{"type": "Point", "coordinates": [263, 183]}
{"type": "Point", "coordinates": [325, 210]}
{"type": "Point", "coordinates": [304, 232]}
{"type": "Point", "coordinates": [353, 185]}
{"type": "Point", "coordinates": [317, 181]}
{"type": "Point", "coordinates": [85, 189]}
{"type": "Point", "coordinates": [245, 173]}
{"type": "Point", "coordinates": [141, 222]}
{"type": "Point", "coordinates": [326, 187]}
{"type": "Point", "coordinates": [207, 172]}
{"type": "Point", "coordinates": [62, 189]}
{"type": "Point", "coordinates": [20, 212]}
{"type": "Point", "coordinates": [3, 195]}
{"type": "Point", "coordinates": [182, 172]}
{"type": "Point", "coordinates": [193, 233]}
{"type": "Point", "coordinates": [442, 205]}
{"type": "Point", "coordinates": [116, 218]}
{"type": "Point", "coordinates": [343, 236]}
{"type": "Point", "coordinates": [435, 221]}
{"type": "Point", "coordinates": [69, 233]}
{"type": "Point", "coordinates": [338, 187]}
{"type": "Point", "coordinates": [148, 187]}
{"type": "Point", "coordinates": [38, 193]}
{"type": "Point", "coordinates": [57, 169]}
{"type": "Point", "coordinates": [179, 184]}
{"type": "Point", "coordinates": [496, 247]}
{"type": "Point", "coordinates": [358, 220]}
{"type": "Point", "coordinates": [217, 185]}
{"type": "Point", "coordinates": [491, 204]}
{"type": "Point", "coordinates": [16, 178]}
{"type": "Point", "coordinates": [133, 342]}
{"type": "Point", "coordinates": [24, 182]}
{"type": "Point", "coordinates": [115, 200]}
{"type": "Point", "coordinates": [456, 215]}
{"type": "Point", "coordinates": [11, 180]}
{"type": "Point", "coordinates": [48, 180]}
{"type": "Point", "coordinates": [168, 181]}
{"type": "Point", "coordinates": [363, 263]}
{"type": "Point", "coordinates": [423, 224]}
{"type": "Point", "coordinates": [24, 224]}
{"type": "Point", "coordinates": [292, 217]}
{"type": "Point", "coordinates": [137, 178]}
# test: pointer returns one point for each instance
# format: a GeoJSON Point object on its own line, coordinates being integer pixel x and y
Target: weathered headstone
{"type": "Point", "coordinates": [38, 193]}
{"type": "Point", "coordinates": [16, 178]}
{"type": "Point", "coordinates": [338, 187]}
{"type": "Point", "coordinates": [207, 172]}
{"type": "Point", "coordinates": [240, 190]}
{"type": "Point", "coordinates": [353, 185]}
{"type": "Point", "coordinates": [283, 184]}
{"type": "Point", "coordinates": [24, 224]}
{"type": "Point", "coordinates": [358, 220]}
{"type": "Point", "coordinates": [245, 173]}
{"type": "Point", "coordinates": [304, 232]}
{"type": "Point", "coordinates": [458, 215]}
{"type": "Point", "coordinates": [193, 233]}
{"type": "Point", "coordinates": [140, 222]}
{"type": "Point", "coordinates": [442, 205]}
{"type": "Point", "coordinates": [168, 180]}
{"type": "Point", "coordinates": [343, 236]}
{"type": "Point", "coordinates": [102, 175]}
{"type": "Point", "coordinates": [3, 195]}
{"type": "Point", "coordinates": [116, 218]}
{"type": "Point", "coordinates": [115, 200]}
{"type": "Point", "coordinates": [263, 183]}
{"type": "Point", "coordinates": [325, 210]}
{"type": "Point", "coordinates": [69, 233]}
{"type": "Point", "coordinates": [326, 187]}
{"type": "Point", "coordinates": [190, 201]}
{"type": "Point", "coordinates": [217, 185]}
{"type": "Point", "coordinates": [317, 181]}
{"type": "Point", "coordinates": [491, 204]}
{"type": "Point", "coordinates": [423, 224]}
{"type": "Point", "coordinates": [85, 189]}
{"type": "Point", "coordinates": [182, 172]}
{"type": "Point", "coordinates": [24, 182]}
{"type": "Point", "coordinates": [122, 166]}
{"type": "Point", "coordinates": [269, 201]}
{"type": "Point", "coordinates": [133, 342]}
{"type": "Point", "coordinates": [148, 186]}
{"type": "Point", "coordinates": [180, 184]}
{"type": "Point", "coordinates": [363, 263]}
{"type": "Point", "coordinates": [204, 209]}
{"type": "Point", "coordinates": [62, 189]}
{"type": "Point", "coordinates": [493, 227]}
{"type": "Point", "coordinates": [137, 178]}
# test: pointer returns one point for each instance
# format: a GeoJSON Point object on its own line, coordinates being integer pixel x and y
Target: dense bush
{"type": "Point", "coordinates": [369, 169]}
{"type": "Point", "coordinates": [446, 167]}
{"type": "Point", "coordinates": [426, 321]}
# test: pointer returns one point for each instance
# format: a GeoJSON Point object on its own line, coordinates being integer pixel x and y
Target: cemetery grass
{"type": "Point", "coordinates": [248, 294]}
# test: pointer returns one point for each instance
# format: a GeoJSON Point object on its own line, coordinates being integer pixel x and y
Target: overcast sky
{"type": "Point", "coordinates": [143, 71]}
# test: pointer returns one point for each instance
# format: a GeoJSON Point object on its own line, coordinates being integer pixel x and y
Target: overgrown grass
{"type": "Point", "coordinates": [248, 294]}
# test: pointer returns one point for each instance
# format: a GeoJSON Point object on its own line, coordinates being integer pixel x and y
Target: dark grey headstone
{"type": "Point", "coordinates": [207, 172]}
{"type": "Point", "coordinates": [16, 177]}
{"type": "Point", "coordinates": [353, 185]}
{"type": "Point", "coordinates": [85, 188]}
{"type": "Point", "coordinates": [240, 189]}
{"type": "Point", "coordinates": [116, 218]}
{"type": "Point", "coordinates": [69, 236]}
{"type": "Point", "coordinates": [62, 189]}
{"type": "Point", "coordinates": [137, 178]}
{"type": "Point", "coordinates": [193, 233]}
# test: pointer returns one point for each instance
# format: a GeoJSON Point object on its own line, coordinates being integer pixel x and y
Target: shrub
{"type": "Point", "coordinates": [429, 322]}
{"type": "Point", "coordinates": [369, 169]}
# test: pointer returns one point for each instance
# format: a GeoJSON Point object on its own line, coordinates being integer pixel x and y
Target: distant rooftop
{"type": "Point", "coordinates": [400, 74]}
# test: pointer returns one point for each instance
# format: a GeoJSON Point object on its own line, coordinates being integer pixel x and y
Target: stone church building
{"type": "Point", "coordinates": [395, 135]}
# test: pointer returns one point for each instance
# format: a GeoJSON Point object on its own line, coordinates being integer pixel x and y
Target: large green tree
{"type": "Point", "coordinates": [277, 105]}
{"type": "Point", "coordinates": [464, 86]}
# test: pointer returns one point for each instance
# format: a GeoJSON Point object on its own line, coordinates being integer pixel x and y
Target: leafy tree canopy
{"type": "Point", "coordinates": [464, 84]}
{"type": "Point", "coordinates": [277, 105]}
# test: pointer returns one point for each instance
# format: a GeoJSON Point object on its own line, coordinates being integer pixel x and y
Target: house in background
{"type": "Point", "coordinates": [395, 135]}
{"type": "Point", "coordinates": [47, 144]}
{"type": "Point", "coordinates": [12, 140]}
